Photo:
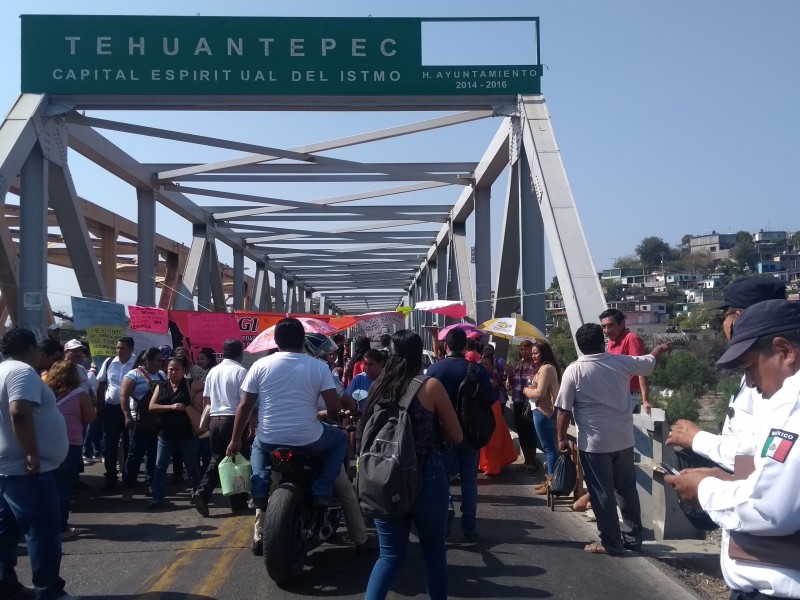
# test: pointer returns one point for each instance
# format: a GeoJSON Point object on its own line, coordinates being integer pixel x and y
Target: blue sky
{"type": "Point", "coordinates": [672, 118]}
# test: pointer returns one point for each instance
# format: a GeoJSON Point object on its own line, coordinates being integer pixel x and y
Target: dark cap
{"type": "Point", "coordinates": [747, 291]}
{"type": "Point", "coordinates": [766, 318]}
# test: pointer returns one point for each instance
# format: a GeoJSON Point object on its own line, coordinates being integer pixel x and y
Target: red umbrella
{"type": "Point", "coordinates": [467, 327]}
{"type": "Point", "coordinates": [266, 339]}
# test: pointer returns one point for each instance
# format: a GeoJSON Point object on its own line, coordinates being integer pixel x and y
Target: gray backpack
{"type": "Point", "coordinates": [388, 478]}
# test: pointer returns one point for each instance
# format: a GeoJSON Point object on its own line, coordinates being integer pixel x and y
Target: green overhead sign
{"type": "Point", "coordinates": [259, 56]}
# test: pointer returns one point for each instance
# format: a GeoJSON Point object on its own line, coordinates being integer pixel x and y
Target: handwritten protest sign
{"type": "Point", "coordinates": [103, 339]}
{"type": "Point", "coordinates": [142, 340]}
{"type": "Point", "coordinates": [88, 312]}
{"type": "Point", "coordinates": [147, 318]}
{"type": "Point", "coordinates": [207, 329]}
{"type": "Point", "coordinates": [374, 325]}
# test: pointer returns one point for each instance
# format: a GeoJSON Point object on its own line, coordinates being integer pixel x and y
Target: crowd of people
{"type": "Point", "coordinates": [141, 413]}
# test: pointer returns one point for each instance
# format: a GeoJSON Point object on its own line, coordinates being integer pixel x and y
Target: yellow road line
{"type": "Point", "coordinates": [212, 582]}
{"type": "Point", "coordinates": [167, 576]}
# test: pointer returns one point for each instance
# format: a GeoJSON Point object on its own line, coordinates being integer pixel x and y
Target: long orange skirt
{"type": "Point", "coordinates": [500, 450]}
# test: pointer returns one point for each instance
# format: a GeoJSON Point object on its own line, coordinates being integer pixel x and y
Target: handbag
{"type": "Point", "coordinates": [234, 475]}
{"type": "Point", "coordinates": [205, 420]}
{"type": "Point", "coordinates": [565, 476]}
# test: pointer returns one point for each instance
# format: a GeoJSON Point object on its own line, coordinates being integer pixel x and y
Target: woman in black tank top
{"type": "Point", "coordinates": [432, 418]}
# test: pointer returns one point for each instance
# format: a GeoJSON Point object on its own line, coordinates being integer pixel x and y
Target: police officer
{"type": "Point", "coordinates": [760, 513]}
{"type": "Point", "coordinates": [740, 422]}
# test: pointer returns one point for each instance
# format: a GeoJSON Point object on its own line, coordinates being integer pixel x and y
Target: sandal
{"type": "Point", "coordinates": [582, 504]}
{"type": "Point", "coordinates": [598, 548]}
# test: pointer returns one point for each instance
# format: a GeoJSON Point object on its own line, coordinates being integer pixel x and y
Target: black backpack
{"type": "Point", "coordinates": [388, 478]}
{"type": "Point", "coordinates": [474, 410]}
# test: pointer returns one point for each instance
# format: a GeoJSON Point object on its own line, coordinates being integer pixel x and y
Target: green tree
{"type": "Point", "coordinates": [563, 346]}
{"type": "Point", "coordinates": [701, 317]}
{"type": "Point", "coordinates": [612, 290]}
{"type": "Point", "coordinates": [744, 252]}
{"type": "Point", "coordinates": [652, 251]}
{"type": "Point", "coordinates": [628, 262]}
{"type": "Point", "coordinates": [554, 285]}
{"type": "Point", "coordinates": [684, 404]}
{"type": "Point", "coordinates": [684, 370]}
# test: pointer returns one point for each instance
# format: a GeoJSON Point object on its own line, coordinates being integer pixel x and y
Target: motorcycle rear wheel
{"type": "Point", "coordinates": [283, 533]}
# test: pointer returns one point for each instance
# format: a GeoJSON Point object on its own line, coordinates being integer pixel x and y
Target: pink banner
{"type": "Point", "coordinates": [147, 318]}
{"type": "Point", "coordinates": [209, 329]}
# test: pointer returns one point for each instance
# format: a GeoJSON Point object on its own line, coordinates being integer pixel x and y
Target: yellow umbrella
{"type": "Point", "coordinates": [511, 327]}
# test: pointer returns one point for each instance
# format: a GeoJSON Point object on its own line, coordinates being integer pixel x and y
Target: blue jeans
{"type": "Point", "coordinates": [429, 515]}
{"type": "Point", "coordinates": [93, 439]}
{"type": "Point", "coordinates": [546, 432]}
{"type": "Point", "coordinates": [29, 505]}
{"type": "Point", "coordinates": [464, 460]}
{"type": "Point", "coordinates": [114, 431]}
{"type": "Point", "coordinates": [142, 443]}
{"type": "Point", "coordinates": [332, 444]}
{"type": "Point", "coordinates": [66, 475]}
{"type": "Point", "coordinates": [166, 447]}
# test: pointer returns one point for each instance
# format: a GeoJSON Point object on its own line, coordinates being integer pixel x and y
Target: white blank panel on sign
{"type": "Point", "coordinates": [459, 43]}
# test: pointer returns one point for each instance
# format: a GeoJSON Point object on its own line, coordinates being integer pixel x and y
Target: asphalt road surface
{"type": "Point", "coordinates": [525, 551]}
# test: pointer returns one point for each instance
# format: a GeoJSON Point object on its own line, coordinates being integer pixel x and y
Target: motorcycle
{"type": "Point", "coordinates": [293, 525]}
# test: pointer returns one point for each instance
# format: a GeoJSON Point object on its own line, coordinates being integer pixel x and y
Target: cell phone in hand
{"type": "Point", "coordinates": [668, 469]}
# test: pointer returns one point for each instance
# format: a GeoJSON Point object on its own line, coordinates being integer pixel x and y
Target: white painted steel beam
{"type": "Point", "coordinates": [190, 138]}
{"type": "Point", "coordinates": [577, 276]}
{"type": "Point", "coordinates": [492, 163]}
{"type": "Point", "coordinates": [65, 203]}
{"type": "Point", "coordinates": [17, 140]}
{"type": "Point", "coordinates": [353, 140]}
{"type": "Point", "coordinates": [510, 249]}
{"type": "Point", "coordinates": [405, 189]}
{"type": "Point", "coordinates": [217, 291]}
{"type": "Point", "coordinates": [283, 168]}
{"type": "Point", "coordinates": [32, 292]}
{"type": "Point", "coordinates": [280, 304]}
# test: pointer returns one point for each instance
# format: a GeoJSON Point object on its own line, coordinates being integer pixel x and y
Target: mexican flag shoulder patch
{"type": "Point", "coordinates": [778, 445]}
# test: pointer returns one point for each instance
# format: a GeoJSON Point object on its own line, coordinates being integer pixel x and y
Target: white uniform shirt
{"type": "Point", "coordinates": [737, 436]}
{"type": "Point", "coordinates": [767, 502]}
{"type": "Point", "coordinates": [288, 385]}
{"type": "Point", "coordinates": [596, 388]}
{"type": "Point", "coordinates": [112, 373]}
{"type": "Point", "coordinates": [224, 387]}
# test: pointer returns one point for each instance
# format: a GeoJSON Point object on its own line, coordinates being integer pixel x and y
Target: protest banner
{"type": "Point", "coordinates": [148, 318]}
{"type": "Point", "coordinates": [103, 339]}
{"type": "Point", "coordinates": [88, 312]}
{"type": "Point", "coordinates": [142, 340]}
{"type": "Point", "coordinates": [248, 324]}
{"type": "Point", "coordinates": [373, 325]}
{"type": "Point", "coordinates": [207, 330]}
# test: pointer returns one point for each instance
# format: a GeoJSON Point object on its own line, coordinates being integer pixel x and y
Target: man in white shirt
{"type": "Point", "coordinates": [595, 389]}
{"type": "Point", "coordinates": [286, 385]}
{"type": "Point", "coordinates": [740, 422]}
{"type": "Point", "coordinates": [33, 443]}
{"type": "Point", "coordinates": [758, 507]}
{"type": "Point", "coordinates": [108, 381]}
{"type": "Point", "coordinates": [222, 392]}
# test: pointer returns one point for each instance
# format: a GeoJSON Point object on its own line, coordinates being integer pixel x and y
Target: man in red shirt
{"type": "Point", "coordinates": [622, 341]}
